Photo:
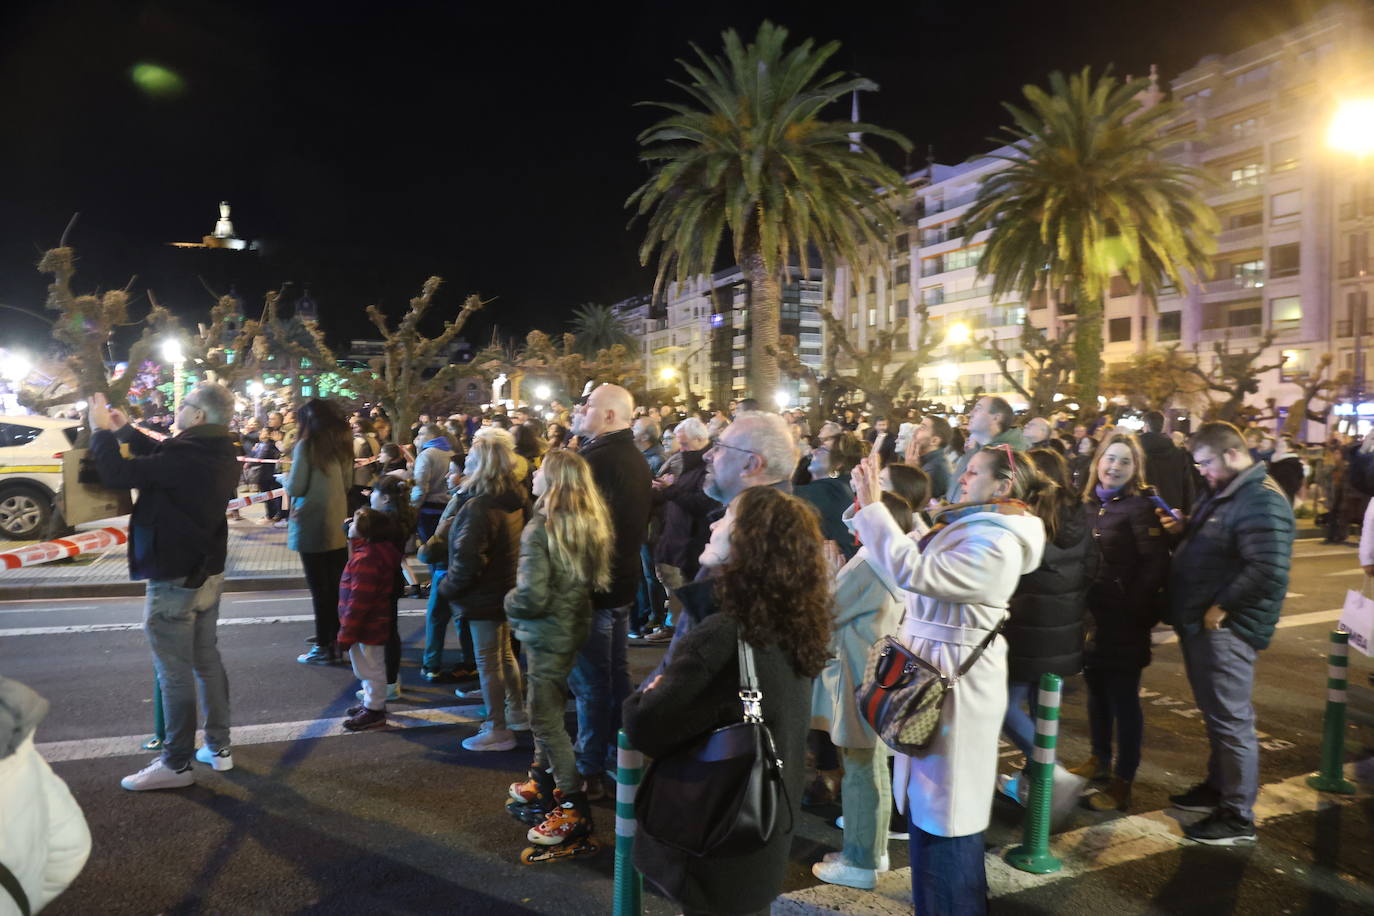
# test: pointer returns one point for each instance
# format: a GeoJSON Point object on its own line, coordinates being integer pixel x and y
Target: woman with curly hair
{"type": "Point", "coordinates": [772, 590]}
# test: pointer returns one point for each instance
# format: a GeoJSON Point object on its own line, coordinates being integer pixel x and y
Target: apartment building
{"type": "Point", "coordinates": [1292, 254]}
{"type": "Point", "coordinates": [700, 330]}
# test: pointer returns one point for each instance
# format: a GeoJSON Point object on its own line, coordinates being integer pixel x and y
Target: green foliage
{"type": "Point", "coordinates": [1087, 196]}
{"type": "Point", "coordinates": [597, 327]}
{"type": "Point", "coordinates": [753, 156]}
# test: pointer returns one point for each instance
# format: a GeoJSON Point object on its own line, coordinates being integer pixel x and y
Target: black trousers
{"type": "Point", "coordinates": [322, 574]}
{"type": "Point", "coordinates": [393, 647]}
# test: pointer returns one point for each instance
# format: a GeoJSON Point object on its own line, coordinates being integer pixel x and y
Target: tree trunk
{"type": "Point", "coordinates": [1087, 351]}
{"type": "Point", "coordinates": [765, 306]}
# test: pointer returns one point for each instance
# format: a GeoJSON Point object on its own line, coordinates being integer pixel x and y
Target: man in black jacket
{"type": "Point", "coordinates": [883, 440]}
{"type": "Point", "coordinates": [178, 539]}
{"type": "Point", "coordinates": [1168, 468]}
{"type": "Point", "coordinates": [1227, 583]}
{"type": "Point", "coordinates": [685, 510]}
{"type": "Point", "coordinates": [601, 678]}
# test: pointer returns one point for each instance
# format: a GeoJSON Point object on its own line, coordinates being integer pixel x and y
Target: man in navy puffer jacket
{"type": "Point", "coordinates": [1227, 584]}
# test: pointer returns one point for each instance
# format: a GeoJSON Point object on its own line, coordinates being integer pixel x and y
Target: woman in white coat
{"type": "Point", "coordinates": [957, 581]}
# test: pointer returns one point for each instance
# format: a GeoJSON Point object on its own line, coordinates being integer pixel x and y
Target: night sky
{"type": "Point", "coordinates": [369, 145]}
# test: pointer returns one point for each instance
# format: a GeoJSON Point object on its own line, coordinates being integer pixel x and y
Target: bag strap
{"type": "Point", "coordinates": [10, 883]}
{"type": "Point", "coordinates": [749, 693]}
{"type": "Point", "coordinates": [977, 653]}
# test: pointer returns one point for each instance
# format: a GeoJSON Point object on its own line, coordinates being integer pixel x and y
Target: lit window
{"type": "Point", "coordinates": [872, 317]}
{"type": "Point", "coordinates": [1249, 274]}
{"type": "Point", "coordinates": [1285, 309]}
{"type": "Point", "coordinates": [1247, 175]}
{"type": "Point", "coordinates": [1285, 207]}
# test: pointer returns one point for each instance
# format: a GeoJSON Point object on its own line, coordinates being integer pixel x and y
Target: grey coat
{"type": "Point", "coordinates": [549, 608]}
{"type": "Point", "coordinates": [319, 503]}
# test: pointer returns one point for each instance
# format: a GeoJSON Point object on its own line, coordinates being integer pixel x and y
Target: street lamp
{"type": "Point", "coordinates": [542, 392]}
{"type": "Point", "coordinates": [783, 399]}
{"type": "Point", "coordinates": [15, 366]}
{"type": "Point", "coordinates": [667, 373]}
{"type": "Point", "coordinates": [958, 335]}
{"type": "Point", "coordinates": [1351, 131]}
{"type": "Point", "coordinates": [255, 390]}
{"type": "Point", "coordinates": [172, 353]}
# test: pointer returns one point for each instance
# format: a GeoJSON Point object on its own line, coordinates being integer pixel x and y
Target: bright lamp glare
{"type": "Point", "coordinates": [171, 351]}
{"type": "Point", "coordinates": [542, 392]}
{"type": "Point", "coordinates": [255, 388]}
{"type": "Point", "coordinates": [15, 366]}
{"type": "Point", "coordinates": [959, 334]}
{"type": "Point", "coordinates": [949, 373]}
{"type": "Point", "coordinates": [667, 373]}
{"type": "Point", "coordinates": [782, 398]}
{"type": "Point", "coordinates": [1352, 127]}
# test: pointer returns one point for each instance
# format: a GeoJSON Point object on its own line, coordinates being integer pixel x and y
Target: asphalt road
{"type": "Point", "coordinates": [403, 820]}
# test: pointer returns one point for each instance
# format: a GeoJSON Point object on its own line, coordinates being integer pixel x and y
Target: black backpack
{"type": "Point", "coordinates": [1359, 470]}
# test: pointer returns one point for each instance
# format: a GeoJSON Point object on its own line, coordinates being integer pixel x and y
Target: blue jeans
{"type": "Point", "coordinates": [651, 597]}
{"type": "Point", "coordinates": [437, 615]}
{"type": "Point", "coordinates": [600, 681]}
{"type": "Point", "coordinates": [1114, 701]}
{"type": "Point", "coordinates": [180, 623]}
{"type": "Point", "coordinates": [947, 874]}
{"type": "Point", "coordinates": [1018, 725]}
{"type": "Point", "coordinates": [1221, 670]}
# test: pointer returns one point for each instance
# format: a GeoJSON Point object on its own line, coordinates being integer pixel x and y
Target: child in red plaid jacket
{"type": "Point", "coordinates": [365, 610]}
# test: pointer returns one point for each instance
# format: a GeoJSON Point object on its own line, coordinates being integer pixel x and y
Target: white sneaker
{"type": "Point", "coordinates": [490, 739]}
{"type": "Point", "coordinates": [842, 873]}
{"type": "Point", "coordinates": [884, 863]}
{"type": "Point", "coordinates": [281, 524]}
{"type": "Point", "coordinates": [393, 693]}
{"type": "Point", "coordinates": [221, 760]}
{"type": "Point", "coordinates": [520, 724]}
{"type": "Point", "coordinates": [158, 776]}
{"type": "Point", "coordinates": [474, 693]}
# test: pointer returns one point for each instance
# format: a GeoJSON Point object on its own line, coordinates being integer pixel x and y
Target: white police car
{"type": "Point", "coordinates": [31, 449]}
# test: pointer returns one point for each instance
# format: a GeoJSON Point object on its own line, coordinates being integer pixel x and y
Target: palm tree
{"type": "Point", "coordinates": [1086, 196]}
{"type": "Point", "coordinates": [598, 328]}
{"type": "Point", "coordinates": [755, 157]}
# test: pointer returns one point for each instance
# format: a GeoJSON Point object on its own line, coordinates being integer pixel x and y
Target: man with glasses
{"type": "Point", "coordinates": [178, 538]}
{"type": "Point", "coordinates": [1227, 583]}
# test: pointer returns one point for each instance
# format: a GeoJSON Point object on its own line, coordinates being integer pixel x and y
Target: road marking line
{"type": "Point", "coordinates": [121, 627]}
{"type": "Point", "coordinates": [1324, 553]}
{"type": "Point", "coordinates": [1296, 620]}
{"type": "Point", "coordinates": [49, 610]}
{"type": "Point", "coordinates": [269, 600]}
{"type": "Point", "coordinates": [1357, 571]}
{"type": "Point", "coordinates": [268, 733]}
{"type": "Point", "coordinates": [1112, 842]}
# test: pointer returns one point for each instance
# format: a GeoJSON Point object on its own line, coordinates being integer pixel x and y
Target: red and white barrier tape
{"type": "Point", "coordinates": [48, 551]}
{"type": "Point", "coordinates": [100, 538]}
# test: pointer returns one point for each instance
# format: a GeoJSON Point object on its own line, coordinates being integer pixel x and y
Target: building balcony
{"type": "Point", "coordinates": [1240, 332]}
{"type": "Point", "coordinates": [1232, 285]}
{"type": "Point", "coordinates": [1346, 327]}
{"type": "Point", "coordinates": [1347, 270]}
{"type": "Point", "coordinates": [1239, 235]}
{"type": "Point", "coordinates": [1353, 210]}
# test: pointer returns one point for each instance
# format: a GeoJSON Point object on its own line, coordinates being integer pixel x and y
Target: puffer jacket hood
{"type": "Point", "coordinates": [21, 709]}
{"type": "Point", "coordinates": [1029, 530]}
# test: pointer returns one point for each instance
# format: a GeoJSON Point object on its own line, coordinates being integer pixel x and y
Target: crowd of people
{"type": "Point", "coordinates": [998, 548]}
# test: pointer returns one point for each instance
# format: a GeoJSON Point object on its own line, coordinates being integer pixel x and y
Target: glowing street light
{"type": "Point", "coordinates": [542, 392]}
{"type": "Point", "coordinates": [172, 353]}
{"type": "Point", "coordinates": [667, 373]}
{"type": "Point", "coordinates": [783, 399]}
{"type": "Point", "coordinates": [1352, 127]}
{"type": "Point", "coordinates": [958, 335]}
{"type": "Point", "coordinates": [15, 366]}
{"type": "Point", "coordinates": [948, 373]}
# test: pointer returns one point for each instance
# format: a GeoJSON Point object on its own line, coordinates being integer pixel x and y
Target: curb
{"type": "Point", "coordinates": [136, 589]}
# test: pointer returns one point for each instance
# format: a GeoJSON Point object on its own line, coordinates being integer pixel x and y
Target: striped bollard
{"type": "Point", "coordinates": [1331, 777]}
{"type": "Point", "coordinates": [629, 886]}
{"type": "Point", "coordinates": [1033, 855]}
{"type": "Point", "coordinates": [159, 722]}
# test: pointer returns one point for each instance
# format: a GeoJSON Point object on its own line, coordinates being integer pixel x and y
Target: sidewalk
{"type": "Point", "coordinates": [258, 559]}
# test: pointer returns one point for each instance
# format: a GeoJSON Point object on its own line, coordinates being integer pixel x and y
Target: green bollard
{"type": "Point", "coordinates": [159, 723]}
{"type": "Point", "coordinates": [629, 886]}
{"type": "Point", "coordinates": [1331, 777]}
{"type": "Point", "coordinates": [1033, 855]}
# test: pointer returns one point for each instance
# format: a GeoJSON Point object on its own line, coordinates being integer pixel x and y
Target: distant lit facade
{"type": "Point", "coordinates": [701, 328]}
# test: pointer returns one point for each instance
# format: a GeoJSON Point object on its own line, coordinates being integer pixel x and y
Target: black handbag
{"type": "Point", "coordinates": [723, 793]}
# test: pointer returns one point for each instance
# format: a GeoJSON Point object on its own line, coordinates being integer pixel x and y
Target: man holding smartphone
{"type": "Point", "coordinates": [178, 538]}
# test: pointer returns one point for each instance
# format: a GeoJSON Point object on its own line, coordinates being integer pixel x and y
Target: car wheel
{"type": "Point", "coordinates": [24, 513]}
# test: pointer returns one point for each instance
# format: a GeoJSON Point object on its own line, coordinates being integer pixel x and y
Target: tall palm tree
{"type": "Point", "coordinates": [755, 157]}
{"type": "Point", "coordinates": [598, 328]}
{"type": "Point", "coordinates": [1087, 195]}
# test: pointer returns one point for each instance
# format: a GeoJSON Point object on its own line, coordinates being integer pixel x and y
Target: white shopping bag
{"type": "Point", "coordinates": [1357, 617]}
